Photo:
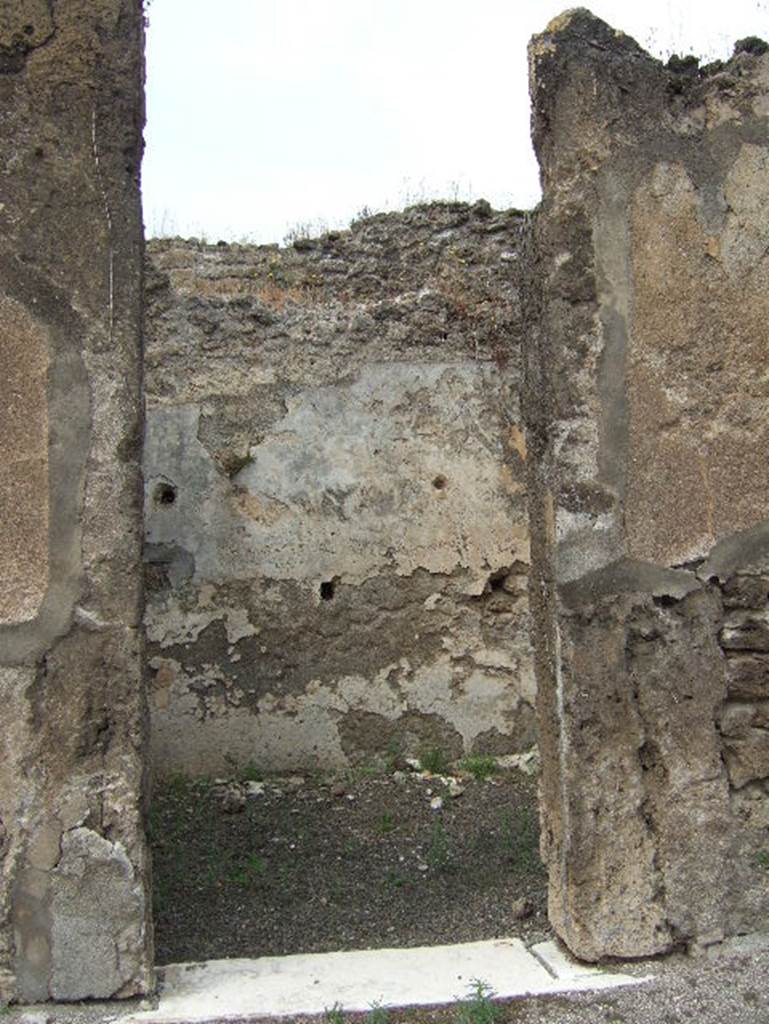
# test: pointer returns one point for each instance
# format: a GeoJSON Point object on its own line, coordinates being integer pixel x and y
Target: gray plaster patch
{"type": "Point", "coordinates": [56, 504]}
{"type": "Point", "coordinates": [97, 912]}
{"type": "Point", "coordinates": [397, 470]}
{"type": "Point", "coordinates": [627, 576]}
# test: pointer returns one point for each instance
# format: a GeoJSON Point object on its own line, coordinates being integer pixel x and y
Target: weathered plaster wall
{"type": "Point", "coordinates": [336, 535]}
{"type": "Point", "coordinates": [73, 867]}
{"type": "Point", "coordinates": [337, 553]}
{"type": "Point", "coordinates": [646, 404]}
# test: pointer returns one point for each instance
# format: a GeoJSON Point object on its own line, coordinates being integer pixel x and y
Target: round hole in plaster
{"type": "Point", "coordinates": [165, 494]}
{"type": "Point", "coordinates": [327, 590]}
{"type": "Point", "coordinates": [439, 482]}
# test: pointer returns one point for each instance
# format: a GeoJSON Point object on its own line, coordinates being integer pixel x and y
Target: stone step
{"type": "Point", "coordinates": [360, 979]}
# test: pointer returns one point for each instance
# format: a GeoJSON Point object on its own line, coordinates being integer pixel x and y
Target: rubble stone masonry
{"type": "Point", "coordinates": [337, 537]}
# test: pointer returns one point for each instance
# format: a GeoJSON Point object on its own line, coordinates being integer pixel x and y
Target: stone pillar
{"type": "Point", "coordinates": [74, 915]}
{"type": "Point", "coordinates": [647, 401]}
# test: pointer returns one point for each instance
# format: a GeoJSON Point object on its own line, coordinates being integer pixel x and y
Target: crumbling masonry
{"type": "Point", "coordinates": [386, 473]}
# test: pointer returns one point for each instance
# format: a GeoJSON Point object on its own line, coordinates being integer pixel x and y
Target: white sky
{"type": "Point", "coordinates": [266, 115]}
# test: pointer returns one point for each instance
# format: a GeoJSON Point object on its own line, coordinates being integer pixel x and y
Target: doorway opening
{"type": "Point", "coordinates": [340, 672]}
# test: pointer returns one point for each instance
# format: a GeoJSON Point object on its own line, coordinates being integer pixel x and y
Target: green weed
{"type": "Point", "coordinates": [366, 770]}
{"type": "Point", "coordinates": [363, 214]}
{"type": "Point", "coordinates": [478, 1008]}
{"type": "Point", "coordinates": [178, 783]}
{"type": "Point", "coordinates": [396, 879]}
{"type": "Point", "coordinates": [252, 772]}
{"type": "Point", "coordinates": [251, 871]}
{"type": "Point", "coordinates": [434, 760]}
{"type": "Point", "coordinates": [333, 1014]}
{"type": "Point", "coordinates": [386, 823]}
{"type": "Point", "coordinates": [350, 849]}
{"type": "Point", "coordinates": [520, 841]}
{"type": "Point", "coordinates": [241, 771]}
{"type": "Point", "coordinates": [439, 851]}
{"type": "Point", "coordinates": [480, 766]}
{"type": "Point", "coordinates": [762, 859]}
{"type": "Point", "coordinates": [392, 755]}
{"type": "Point", "coordinates": [377, 1015]}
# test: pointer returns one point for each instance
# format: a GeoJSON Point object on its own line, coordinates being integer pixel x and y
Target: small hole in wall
{"type": "Point", "coordinates": [439, 482]}
{"type": "Point", "coordinates": [327, 590]}
{"type": "Point", "coordinates": [664, 601]}
{"type": "Point", "coordinates": [165, 494]}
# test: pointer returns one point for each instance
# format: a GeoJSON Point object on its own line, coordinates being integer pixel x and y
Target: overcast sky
{"type": "Point", "coordinates": [265, 116]}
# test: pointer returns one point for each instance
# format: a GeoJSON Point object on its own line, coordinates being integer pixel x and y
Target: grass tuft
{"type": "Point", "coordinates": [333, 1014]}
{"type": "Point", "coordinates": [377, 1015]}
{"type": "Point", "coordinates": [478, 1008]}
{"type": "Point", "coordinates": [480, 766]}
{"type": "Point", "coordinates": [434, 760]}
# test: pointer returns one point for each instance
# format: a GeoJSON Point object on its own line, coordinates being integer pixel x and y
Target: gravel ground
{"type": "Point", "coordinates": [311, 865]}
{"type": "Point", "coordinates": [302, 865]}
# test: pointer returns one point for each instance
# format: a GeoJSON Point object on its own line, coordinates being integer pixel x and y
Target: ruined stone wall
{"type": "Point", "coordinates": [336, 534]}
{"type": "Point", "coordinates": [336, 541]}
{"type": "Point", "coordinates": [647, 425]}
{"type": "Point", "coordinates": [73, 867]}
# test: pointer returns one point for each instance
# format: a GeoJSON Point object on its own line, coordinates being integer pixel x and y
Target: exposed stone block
{"type": "Point", "coordinates": [738, 718]}
{"type": "Point", "coordinates": [746, 592]}
{"type": "Point", "coordinates": [747, 758]}
{"type": "Point", "coordinates": [746, 631]}
{"type": "Point", "coordinates": [747, 677]}
{"type": "Point", "coordinates": [95, 892]}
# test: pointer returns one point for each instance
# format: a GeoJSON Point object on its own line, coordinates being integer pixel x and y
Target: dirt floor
{"type": "Point", "coordinates": [245, 867]}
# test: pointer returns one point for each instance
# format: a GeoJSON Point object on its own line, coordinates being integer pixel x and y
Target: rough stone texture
{"type": "Point", "coordinates": [73, 904]}
{"type": "Point", "coordinates": [336, 529]}
{"type": "Point", "coordinates": [645, 403]}
{"type": "Point", "coordinates": [23, 464]}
